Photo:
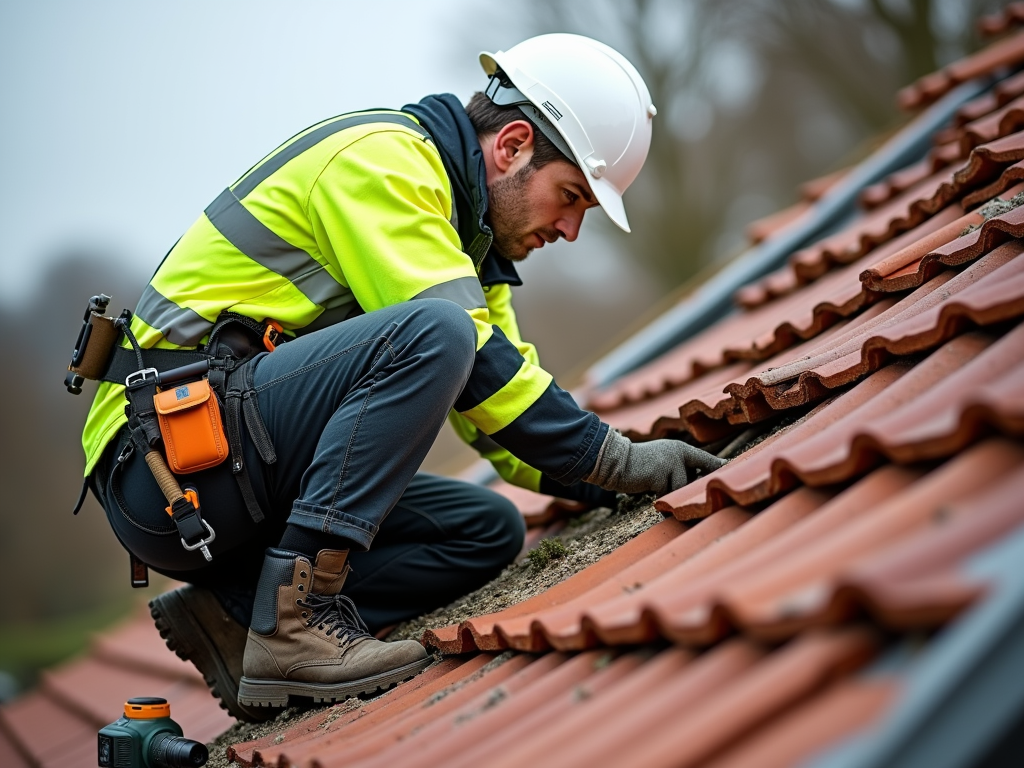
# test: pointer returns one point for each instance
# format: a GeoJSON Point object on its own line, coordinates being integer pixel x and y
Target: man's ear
{"type": "Point", "coordinates": [513, 146]}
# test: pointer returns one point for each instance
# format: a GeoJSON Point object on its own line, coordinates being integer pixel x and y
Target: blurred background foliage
{"type": "Point", "coordinates": [754, 97]}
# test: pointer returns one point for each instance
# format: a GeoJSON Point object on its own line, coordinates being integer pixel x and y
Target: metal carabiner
{"type": "Point", "coordinates": [201, 544]}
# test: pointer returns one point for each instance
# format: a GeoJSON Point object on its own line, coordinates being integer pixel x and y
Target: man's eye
{"type": "Point", "coordinates": [572, 197]}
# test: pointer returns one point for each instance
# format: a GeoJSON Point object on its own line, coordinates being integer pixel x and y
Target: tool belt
{"type": "Point", "coordinates": [174, 408]}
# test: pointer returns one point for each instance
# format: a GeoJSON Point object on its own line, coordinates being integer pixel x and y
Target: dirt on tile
{"type": "Point", "coordinates": [241, 732]}
{"type": "Point", "coordinates": [292, 716]}
{"type": "Point", "coordinates": [585, 539]}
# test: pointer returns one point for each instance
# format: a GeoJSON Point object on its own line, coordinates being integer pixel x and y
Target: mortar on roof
{"type": "Point", "coordinates": [995, 207]}
{"type": "Point", "coordinates": [590, 537]}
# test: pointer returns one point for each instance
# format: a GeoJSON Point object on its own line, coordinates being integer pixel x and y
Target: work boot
{"type": "Point", "coordinates": [195, 626]}
{"type": "Point", "coordinates": [307, 639]}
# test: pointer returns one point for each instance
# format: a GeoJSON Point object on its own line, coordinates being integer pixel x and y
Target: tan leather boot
{"type": "Point", "coordinates": [306, 639]}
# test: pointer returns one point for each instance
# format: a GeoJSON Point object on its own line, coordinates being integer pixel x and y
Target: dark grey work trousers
{"type": "Point", "coordinates": [352, 410]}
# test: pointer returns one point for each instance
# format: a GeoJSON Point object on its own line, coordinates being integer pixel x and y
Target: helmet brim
{"type": "Point", "coordinates": [611, 201]}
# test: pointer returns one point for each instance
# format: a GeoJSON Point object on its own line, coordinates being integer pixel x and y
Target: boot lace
{"type": "Point", "coordinates": [336, 612]}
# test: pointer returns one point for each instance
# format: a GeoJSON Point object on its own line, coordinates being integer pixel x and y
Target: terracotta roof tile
{"type": "Point", "coordinates": [1011, 176]}
{"type": "Point", "coordinates": [987, 162]}
{"type": "Point", "coordinates": [810, 192]}
{"type": "Point", "coordinates": [479, 633]}
{"type": "Point", "coordinates": [900, 181]}
{"type": "Point", "coordinates": [761, 229]}
{"type": "Point", "coordinates": [796, 273]}
{"type": "Point", "coordinates": [56, 724]}
{"type": "Point", "coordinates": [1010, 16]}
{"type": "Point", "coordinates": [45, 730]}
{"type": "Point", "coordinates": [538, 509]}
{"type": "Point", "coordinates": [835, 714]}
{"type": "Point", "coordinates": [384, 725]}
{"type": "Point", "coordinates": [922, 581]}
{"type": "Point", "coordinates": [804, 589]}
{"type": "Point", "coordinates": [1004, 121]}
{"type": "Point", "coordinates": [418, 692]}
{"type": "Point", "coordinates": [1004, 53]}
{"type": "Point", "coordinates": [9, 753]}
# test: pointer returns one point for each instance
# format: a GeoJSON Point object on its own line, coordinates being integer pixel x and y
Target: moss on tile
{"type": "Point", "coordinates": [585, 541]}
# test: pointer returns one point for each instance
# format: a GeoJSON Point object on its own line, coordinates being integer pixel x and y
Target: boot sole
{"type": "Point", "coordinates": [254, 692]}
{"type": "Point", "coordinates": [184, 634]}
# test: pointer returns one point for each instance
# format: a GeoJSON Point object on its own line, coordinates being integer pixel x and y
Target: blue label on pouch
{"type": "Point", "coordinates": [181, 393]}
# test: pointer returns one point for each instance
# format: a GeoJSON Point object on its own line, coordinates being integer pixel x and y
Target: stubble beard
{"type": "Point", "coordinates": [510, 215]}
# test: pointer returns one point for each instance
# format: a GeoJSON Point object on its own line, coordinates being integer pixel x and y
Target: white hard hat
{"type": "Point", "coordinates": [595, 100]}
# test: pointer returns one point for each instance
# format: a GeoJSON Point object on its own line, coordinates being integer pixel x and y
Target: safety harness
{"type": "Point", "coordinates": [147, 374]}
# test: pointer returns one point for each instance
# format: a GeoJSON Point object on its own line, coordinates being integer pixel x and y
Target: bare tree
{"type": "Point", "coordinates": [755, 96]}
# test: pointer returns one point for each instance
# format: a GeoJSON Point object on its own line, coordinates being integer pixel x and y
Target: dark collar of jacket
{"type": "Point", "coordinates": [448, 125]}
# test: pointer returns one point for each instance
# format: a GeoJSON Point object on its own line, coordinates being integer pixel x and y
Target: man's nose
{"type": "Point", "coordinates": [569, 226]}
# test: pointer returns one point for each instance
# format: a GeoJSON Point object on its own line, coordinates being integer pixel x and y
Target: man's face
{"type": "Point", "coordinates": [531, 207]}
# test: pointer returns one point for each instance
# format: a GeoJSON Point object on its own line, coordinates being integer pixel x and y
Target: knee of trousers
{"type": "Point", "coordinates": [502, 532]}
{"type": "Point", "coordinates": [445, 327]}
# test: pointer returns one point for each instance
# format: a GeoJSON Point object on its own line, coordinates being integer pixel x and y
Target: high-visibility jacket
{"type": "Point", "coordinates": [354, 214]}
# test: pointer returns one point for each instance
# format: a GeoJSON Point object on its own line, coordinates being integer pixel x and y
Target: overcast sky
{"type": "Point", "coordinates": [121, 121]}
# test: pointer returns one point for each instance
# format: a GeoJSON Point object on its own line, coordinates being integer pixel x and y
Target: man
{"type": "Point", "coordinates": [393, 236]}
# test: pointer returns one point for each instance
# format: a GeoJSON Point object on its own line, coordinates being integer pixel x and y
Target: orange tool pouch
{"type": "Point", "coordinates": [191, 427]}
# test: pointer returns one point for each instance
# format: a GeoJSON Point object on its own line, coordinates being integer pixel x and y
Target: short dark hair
{"type": "Point", "coordinates": [488, 118]}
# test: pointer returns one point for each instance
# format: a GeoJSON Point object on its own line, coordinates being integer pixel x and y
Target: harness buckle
{"type": "Point", "coordinates": [192, 497]}
{"type": "Point", "coordinates": [272, 334]}
{"type": "Point", "coordinates": [139, 377]}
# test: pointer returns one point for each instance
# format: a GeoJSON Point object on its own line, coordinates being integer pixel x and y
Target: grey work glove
{"type": "Point", "coordinates": [659, 466]}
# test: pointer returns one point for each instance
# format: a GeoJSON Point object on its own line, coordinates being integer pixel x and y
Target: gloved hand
{"type": "Point", "coordinates": [659, 466]}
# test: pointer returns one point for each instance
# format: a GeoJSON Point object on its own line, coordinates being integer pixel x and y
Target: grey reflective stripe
{"type": "Point", "coordinates": [264, 246]}
{"type": "Point", "coordinates": [179, 325]}
{"type": "Point", "coordinates": [275, 162]}
{"type": "Point", "coordinates": [484, 444]}
{"type": "Point", "coordinates": [464, 291]}
{"type": "Point", "coordinates": [332, 316]}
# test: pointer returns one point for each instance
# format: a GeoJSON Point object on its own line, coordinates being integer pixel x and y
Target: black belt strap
{"type": "Point", "coordinates": [239, 399]}
{"type": "Point", "coordinates": [124, 361]}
